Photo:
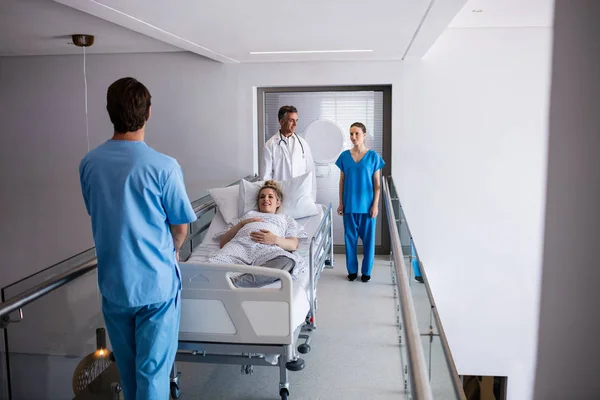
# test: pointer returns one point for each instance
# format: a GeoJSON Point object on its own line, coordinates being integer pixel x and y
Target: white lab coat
{"type": "Point", "coordinates": [280, 163]}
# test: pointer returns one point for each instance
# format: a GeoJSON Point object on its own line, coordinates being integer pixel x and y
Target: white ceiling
{"type": "Point", "coordinates": [43, 27]}
{"type": "Point", "coordinates": [505, 13]}
{"type": "Point", "coordinates": [228, 32]}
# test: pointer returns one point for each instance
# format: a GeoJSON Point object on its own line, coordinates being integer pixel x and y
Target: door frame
{"type": "Point", "coordinates": [384, 248]}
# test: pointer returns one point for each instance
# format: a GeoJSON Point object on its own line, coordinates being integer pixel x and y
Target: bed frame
{"type": "Point", "coordinates": [247, 342]}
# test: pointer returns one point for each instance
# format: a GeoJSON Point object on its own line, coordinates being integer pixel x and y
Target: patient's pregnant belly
{"type": "Point", "coordinates": [257, 226]}
{"type": "Point", "coordinates": [254, 227]}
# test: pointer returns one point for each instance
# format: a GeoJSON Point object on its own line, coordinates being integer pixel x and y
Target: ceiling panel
{"type": "Point", "coordinates": [44, 27]}
{"type": "Point", "coordinates": [230, 31]}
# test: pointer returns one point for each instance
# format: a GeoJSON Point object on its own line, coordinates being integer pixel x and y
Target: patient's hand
{"type": "Point", "coordinates": [264, 236]}
{"type": "Point", "coordinates": [230, 234]}
{"type": "Point", "coordinates": [250, 220]}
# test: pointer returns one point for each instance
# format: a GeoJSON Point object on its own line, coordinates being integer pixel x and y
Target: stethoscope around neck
{"type": "Point", "coordinates": [281, 139]}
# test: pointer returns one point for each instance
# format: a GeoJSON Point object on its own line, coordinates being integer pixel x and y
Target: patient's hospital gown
{"type": "Point", "coordinates": [243, 250]}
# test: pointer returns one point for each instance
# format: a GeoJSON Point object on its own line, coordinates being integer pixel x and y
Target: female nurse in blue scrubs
{"type": "Point", "coordinates": [360, 186]}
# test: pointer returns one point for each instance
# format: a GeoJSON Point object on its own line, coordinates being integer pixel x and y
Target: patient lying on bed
{"type": "Point", "coordinates": [261, 238]}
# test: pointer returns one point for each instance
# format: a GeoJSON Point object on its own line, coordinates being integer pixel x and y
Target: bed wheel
{"type": "Point", "coordinates": [175, 393]}
{"type": "Point", "coordinates": [327, 262]}
{"type": "Point", "coordinates": [284, 393]}
{"type": "Point", "coordinates": [296, 365]}
{"type": "Point", "coordinates": [304, 348]}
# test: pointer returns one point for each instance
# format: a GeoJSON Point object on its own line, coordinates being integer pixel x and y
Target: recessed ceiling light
{"type": "Point", "coordinates": [310, 51]}
{"type": "Point", "coordinates": [477, 10]}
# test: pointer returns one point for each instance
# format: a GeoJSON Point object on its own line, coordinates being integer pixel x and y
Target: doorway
{"type": "Point", "coordinates": [484, 387]}
{"type": "Point", "coordinates": [333, 106]}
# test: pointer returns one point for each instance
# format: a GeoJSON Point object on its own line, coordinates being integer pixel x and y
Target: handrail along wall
{"type": "Point", "coordinates": [416, 357]}
{"type": "Point", "coordinates": [456, 382]}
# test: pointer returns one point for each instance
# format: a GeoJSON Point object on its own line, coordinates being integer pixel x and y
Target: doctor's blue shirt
{"type": "Point", "coordinates": [358, 181]}
{"type": "Point", "coordinates": [132, 193]}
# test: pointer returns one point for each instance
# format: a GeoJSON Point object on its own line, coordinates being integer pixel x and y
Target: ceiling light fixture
{"type": "Point", "coordinates": [309, 51]}
{"type": "Point", "coordinates": [84, 41]}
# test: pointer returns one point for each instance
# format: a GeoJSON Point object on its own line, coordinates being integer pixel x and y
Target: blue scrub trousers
{"type": "Point", "coordinates": [144, 342]}
{"type": "Point", "coordinates": [363, 226]}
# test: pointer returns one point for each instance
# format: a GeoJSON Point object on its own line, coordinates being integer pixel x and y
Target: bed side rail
{"type": "Point", "coordinates": [321, 255]}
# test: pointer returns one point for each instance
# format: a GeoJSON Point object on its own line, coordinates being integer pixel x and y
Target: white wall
{"type": "Point", "coordinates": [42, 140]}
{"type": "Point", "coordinates": [471, 173]}
{"type": "Point", "coordinates": [568, 351]}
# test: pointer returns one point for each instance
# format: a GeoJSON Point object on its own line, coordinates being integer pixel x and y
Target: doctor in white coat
{"type": "Point", "coordinates": [286, 155]}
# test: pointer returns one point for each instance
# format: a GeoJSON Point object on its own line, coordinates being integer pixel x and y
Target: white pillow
{"type": "Point", "coordinates": [227, 201]}
{"type": "Point", "coordinates": [217, 225]}
{"type": "Point", "coordinates": [297, 196]}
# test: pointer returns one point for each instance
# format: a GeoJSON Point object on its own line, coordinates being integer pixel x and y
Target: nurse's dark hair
{"type": "Point", "coordinates": [284, 110]}
{"type": "Point", "coordinates": [271, 184]}
{"type": "Point", "coordinates": [359, 125]}
{"type": "Point", "coordinates": [128, 105]}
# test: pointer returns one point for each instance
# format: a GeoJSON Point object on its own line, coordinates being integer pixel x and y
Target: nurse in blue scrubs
{"type": "Point", "coordinates": [360, 187]}
{"type": "Point", "coordinates": [140, 210]}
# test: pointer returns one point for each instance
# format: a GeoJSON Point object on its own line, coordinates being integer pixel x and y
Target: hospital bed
{"type": "Point", "coordinates": [264, 326]}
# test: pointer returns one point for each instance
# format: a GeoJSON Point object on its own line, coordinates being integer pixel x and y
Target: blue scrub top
{"type": "Point", "coordinates": [132, 193]}
{"type": "Point", "coordinates": [358, 180]}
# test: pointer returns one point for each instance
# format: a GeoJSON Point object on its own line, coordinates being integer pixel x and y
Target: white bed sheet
{"type": "Point", "coordinates": [202, 253]}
